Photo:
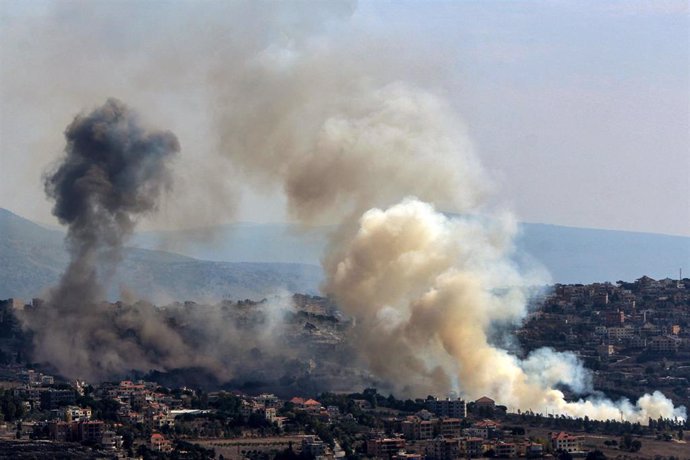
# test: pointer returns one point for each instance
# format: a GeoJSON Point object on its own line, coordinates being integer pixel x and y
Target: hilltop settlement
{"type": "Point", "coordinates": [634, 336]}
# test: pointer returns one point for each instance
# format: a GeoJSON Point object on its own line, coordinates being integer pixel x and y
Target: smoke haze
{"type": "Point", "coordinates": [426, 289]}
{"type": "Point", "coordinates": [353, 132]}
{"type": "Point", "coordinates": [350, 145]}
{"type": "Point", "coordinates": [113, 172]}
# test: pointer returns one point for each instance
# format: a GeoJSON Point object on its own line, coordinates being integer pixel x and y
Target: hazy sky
{"type": "Point", "coordinates": [579, 110]}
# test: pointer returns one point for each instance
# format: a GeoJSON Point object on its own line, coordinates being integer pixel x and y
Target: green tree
{"type": "Point", "coordinates": [595, 455]}
{"type": "Point", "coordinates": [635, 445]}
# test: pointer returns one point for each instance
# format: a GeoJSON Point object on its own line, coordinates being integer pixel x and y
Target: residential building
{"type": "Point", "coordinates": [160, 443]}
{"type": "Point", "coordinates": [566, 442]}
{"type": "Point", "coordinates": [471, 447]}
{"type": "Point", "coordinates": [385, 447]}
{"type": "Point", "coordinates": [453, 408]}
{"type": "Point", "coordinates": [314, 447]}
{"type": "Point", "coordinates": [663, 343]}
{"type": "Point", "coordinates": [505, 450]}
{"type": "Point", "coordinates": [443, 449]}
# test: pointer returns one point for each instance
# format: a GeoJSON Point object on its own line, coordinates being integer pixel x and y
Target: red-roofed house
{"type": "Point", "coordinates": [485, 401]}
{"type": "Point", "coordinates": [160, 443]}
{"type": "Point", "coordinates": [312, 406]}
{"type": "Point", "coordinates": [566, 442]}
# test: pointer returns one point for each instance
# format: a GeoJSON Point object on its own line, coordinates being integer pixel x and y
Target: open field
{"type": "Point", "coordinates": [235, 448]}
{"type": "Point", "coordinates": [651, 448]}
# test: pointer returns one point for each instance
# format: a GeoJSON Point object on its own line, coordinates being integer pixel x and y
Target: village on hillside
{"type": "Point", "coordinates": [634, 336]}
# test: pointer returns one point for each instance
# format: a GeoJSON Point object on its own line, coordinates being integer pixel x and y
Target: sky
{"type": "Point", "coordinates": [578, 110]}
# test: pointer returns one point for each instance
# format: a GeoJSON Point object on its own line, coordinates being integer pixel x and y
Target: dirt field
{"type": "Point", "coordinates": [234, 448]}
{"type": "Point", "coordinates": [651, 448]}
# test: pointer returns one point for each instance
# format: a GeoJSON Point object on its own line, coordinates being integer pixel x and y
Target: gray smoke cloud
{"type": "Point", "coordinates": [348, 127]}
{"type": "Point", "coordinates": [113, 172]}
{"type": "Point", "coordinates": [426, 290]}
{"type": "Point", "coordinates": [349, 142]}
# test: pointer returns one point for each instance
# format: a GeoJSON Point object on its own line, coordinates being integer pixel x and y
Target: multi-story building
{"type": "Point", "coordinates": [53, 398]}
{"type": "Point", "coordinates": [471, 447]}
{"type": "Point", "coordinates": [91, 431]}
{"type": "Point", "coordinates": [30, 394]}
{"type": "Point", "coordinates": [636, 342]}
{"type": "Point", "coordinates": [385, 447]}
{"type": "Point", "coordinates": [268, 400]}
{"type": "Point", "coordinates": [76, 414]}
{"type": "Point", "coordinates": [505, 450]}
{"type": "Point", "coordinates": [415, 429]}
{"type": "Point", "coordinates": [111, 440]}
{"type": "Point", "coordinates": [605, 350]}
{"type": "Point", "coordinates": [450, 427]}
{"type": "Point", "coordinates": [453, 408]}
{"type": "Point", "coordinates": [443, 449]}
{"type": "Point", "coordinates": [84, 431]}
{"type": "Point", "coordinates": [566, 442]}
{"type": "Point", "coordinates": [614, 318]}
{"type": "Point", "coordinates": [313, 447]}
{"type": "Point", "coordinates": [534, 450]}
{"type": "Point", "coordinates": [620, 333]}
{"type": "Point", "coordinates": [59, 430]}
{"type": "Point", "coordinates": [485, 403]}
{"type": "Point", "coordinates": [160, 443]}
{"type": "Point", "coordinates": [663, 343]}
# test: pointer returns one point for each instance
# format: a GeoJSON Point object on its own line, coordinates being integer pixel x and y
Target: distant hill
{"type": "Point", "coordinates": [33, 257]}
{"type": "Point", "coordinates": [254, 260]}
{"type": "Point", "coordinates": [585, 255]}
{"type": "Point", "coordinates": [571, 255]}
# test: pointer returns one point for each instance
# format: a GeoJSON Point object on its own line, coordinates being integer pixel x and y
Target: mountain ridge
{"type": "Point", "coordinates": [33, 258]}
{"type": "Point", "coordinates": [251, 260]}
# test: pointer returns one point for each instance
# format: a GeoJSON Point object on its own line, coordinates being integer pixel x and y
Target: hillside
{"type": "Point", "coordinates": [33, 257]}
{"type": "Point", "coordinates": [571, 255]}
{"type": "Point", "coordinates": [585, 255]}
{"type": "Point", "coordinates": [253, 260]}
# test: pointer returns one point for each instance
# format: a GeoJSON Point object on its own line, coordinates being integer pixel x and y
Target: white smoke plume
{"type": "Point", "coordinates": [349, 124]}
{"type": "Point", "coordinates": [425, 290]}
{"type": "Point", "coordinates": [348, 142]}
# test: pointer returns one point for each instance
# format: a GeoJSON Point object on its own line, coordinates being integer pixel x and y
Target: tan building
{"type": "Point", "coordinates": [160, 443]}
{"type": "Point", "coordinates": [566, 442]}
{"type": "Point", "coordinates": [416, 429]}
{"type": "Point", "coordinates": [443, 449]}
{"type": "Point", "coordinates": [605, 350]}
{"type": "Point", "coordinates": [663, 343]}
{"type": "Point", "coordinates": [485, 402]}
{"type": "Point", "coordinates": [450, 427]}
{"type": "Point", "coordinates": [505, 450]}
{"type": "Point", "coordinates": [453, 408]}
{"type": "Point", "coordinates": [385, 447]}
{"type": "Point", "coordinates": [471, 447]}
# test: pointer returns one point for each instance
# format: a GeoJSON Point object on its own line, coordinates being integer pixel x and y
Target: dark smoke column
{"type": "Point", "coordinates": [113, 172]}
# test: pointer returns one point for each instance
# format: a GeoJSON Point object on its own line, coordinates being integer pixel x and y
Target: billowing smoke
{"type": "Point", "coordinates": [339, 151]}
{"type": "Point", "coordinates": [350, 145]}
{"type": "Point", "coordinates": [426, 289]}
{"type": "Point", "coordinates": [113, 172]}
{"type": "Point", "coordinates": [349, 126]}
